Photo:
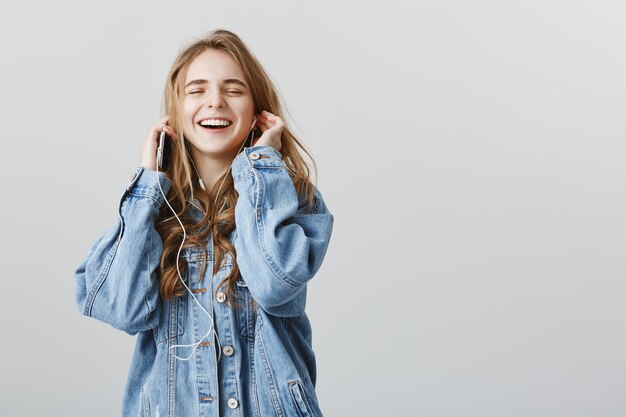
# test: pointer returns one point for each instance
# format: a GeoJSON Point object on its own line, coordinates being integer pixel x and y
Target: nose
{"type": "Point", "coordinates": [215, 99]}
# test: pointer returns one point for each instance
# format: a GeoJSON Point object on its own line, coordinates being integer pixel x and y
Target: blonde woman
{"type": "Point", "coordinates": [209, 262]}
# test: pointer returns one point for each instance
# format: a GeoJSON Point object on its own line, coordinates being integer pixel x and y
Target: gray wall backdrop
{"type": "Point", "coordinates": [472, 153]}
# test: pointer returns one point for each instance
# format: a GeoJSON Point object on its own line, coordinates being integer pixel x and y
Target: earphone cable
{"type": "Point", "coordinates": [212, 325]}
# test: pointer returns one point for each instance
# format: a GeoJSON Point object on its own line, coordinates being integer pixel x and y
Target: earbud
{"type": "Point", "coordinates": [253, 123]}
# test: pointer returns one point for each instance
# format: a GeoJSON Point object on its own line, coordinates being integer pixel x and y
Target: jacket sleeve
{"type": "Point", "coordinates": [280, 244]}
{"type": "Point", "coordinates": [116, 282]}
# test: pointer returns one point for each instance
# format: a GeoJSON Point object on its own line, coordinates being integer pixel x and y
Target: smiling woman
{"type": "Point", "coordinates": [214, 281]}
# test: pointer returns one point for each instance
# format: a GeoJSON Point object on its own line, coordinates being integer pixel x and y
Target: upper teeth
{"type": "Point", "coordinates": [214, 122]}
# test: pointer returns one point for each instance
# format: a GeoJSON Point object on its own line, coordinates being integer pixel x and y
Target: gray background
{"type": "Point", "coordinates": [471, 152]}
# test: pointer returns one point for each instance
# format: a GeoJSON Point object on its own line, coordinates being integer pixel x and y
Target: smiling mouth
{"type": "Point", "coordinates": [215, 129]}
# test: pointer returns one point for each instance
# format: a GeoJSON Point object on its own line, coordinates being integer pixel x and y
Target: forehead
{"type": "Point", "coordinates": [212, 64]}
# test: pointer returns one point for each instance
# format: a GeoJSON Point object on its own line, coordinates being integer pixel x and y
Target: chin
{"type": "Point", "coordinates": [216, 147]}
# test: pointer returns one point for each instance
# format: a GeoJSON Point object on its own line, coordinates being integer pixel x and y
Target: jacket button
{"type": "Point", "coordinates": [254, 155]}
{"type": "Point", "coordinates": [233, 403]}
{"type": "Point", "coordinates": [220, 296]}
{"type": "Point", "coordinates": [228, 350]}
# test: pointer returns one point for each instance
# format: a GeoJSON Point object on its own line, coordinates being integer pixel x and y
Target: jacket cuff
{"type": "Point", "coordinates": [262, 156]}
{"type": "Point", "coordinates": [145, 183]}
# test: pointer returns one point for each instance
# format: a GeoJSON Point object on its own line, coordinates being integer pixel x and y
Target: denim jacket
{"type": "Point", "coordinates": [265, 365]}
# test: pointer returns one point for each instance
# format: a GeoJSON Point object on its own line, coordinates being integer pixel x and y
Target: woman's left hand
{"type": "Point", "coordinates": [272, 127]}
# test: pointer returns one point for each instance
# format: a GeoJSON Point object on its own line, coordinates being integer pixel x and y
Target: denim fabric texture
{"type": "Point", "coordinates": [267, 364]}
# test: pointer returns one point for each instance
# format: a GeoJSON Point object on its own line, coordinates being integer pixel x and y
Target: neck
{"type": "Point", "coordinates": [210, 169]}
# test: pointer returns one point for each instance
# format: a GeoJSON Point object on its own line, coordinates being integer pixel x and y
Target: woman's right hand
{"type": "Point", "coordinates": [151, 144]}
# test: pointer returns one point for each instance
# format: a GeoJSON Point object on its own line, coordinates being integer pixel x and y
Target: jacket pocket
{"type": "Point", "coordinates": [299, 399]}
{"type": "Point", "coordinates": [173, 318]}
{"type": "Point", "coordinates": [246, 313]}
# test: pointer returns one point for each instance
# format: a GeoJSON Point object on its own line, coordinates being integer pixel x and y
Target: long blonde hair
{"type": "Point", "coordinates": [183, 176]}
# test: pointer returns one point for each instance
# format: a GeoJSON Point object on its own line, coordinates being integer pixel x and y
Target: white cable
{"type": "Point", "coordinates": [211, 326]}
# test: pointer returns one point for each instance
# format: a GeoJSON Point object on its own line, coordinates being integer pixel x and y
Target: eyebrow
{"type": "Point", "coordinates": [226, 81]}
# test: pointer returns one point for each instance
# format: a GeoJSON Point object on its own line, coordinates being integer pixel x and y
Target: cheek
{"type": "Point", "coordinates": [187, 111]}
{"type": "Point", "coordinates": [244, 105]}
{"type": "Point", "coordinates": [187, 116]}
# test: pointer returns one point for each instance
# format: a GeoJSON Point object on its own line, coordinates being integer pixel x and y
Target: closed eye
{"type": "Point", "coordinates": [229, 91]}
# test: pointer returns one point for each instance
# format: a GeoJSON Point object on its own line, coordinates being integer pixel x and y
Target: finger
{"type": "Point", "coordinates": [168, 130]}
{"type": "Point", "coordinates": [260, 118]}
{"type": "Point", "coordinates": [266, 122]}
{"type": "Point", "coordinates": [272, 119]}
{"type": "Point", "coordinates": [161, 126]}
{"type": "Point", "coordinates": [156, 131]}
{"type": "Point", "coordinates": [171, 132]}
{"type": "Point", "coordinates": [266, 125]}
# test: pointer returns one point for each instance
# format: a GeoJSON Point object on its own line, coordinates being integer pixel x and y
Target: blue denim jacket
{"type": "Point", "coordinates": [266, 366]}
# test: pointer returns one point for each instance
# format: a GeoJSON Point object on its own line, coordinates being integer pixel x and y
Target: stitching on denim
{"type": "Point", "coordinates": [294, 401]}
{"type": "Point", "coordinates": [146, 196]}
{"type": "Point", "coordinates": [103, 276]}
{"type": "Point", "coordinates": [304, 398]}
{"type": "Point", "coordinates": [177, 306]}
{"type": "Point", "coordinates": [171, 378]}
{"type": "Point", "coordinates": [253, 382]}
{"type": "Point", "coordinates": [270, 379]}
{"type": "Point", "coordinates": [271, 167]}
{"type": "Point", "coordinates": [247, 175]}
{"type": "Point", "coordinates": [108, 261]}
{"type": "Point", "coordinates": [307, 408]}
{"type": "Point", "coordinates": [150, 286]}
{"type": "Point", "coordinates": [98, 284]}
{"type": "Point", "coordinates": [231, 320]}
{"type": "Point", "coordinates": [260, 192]}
